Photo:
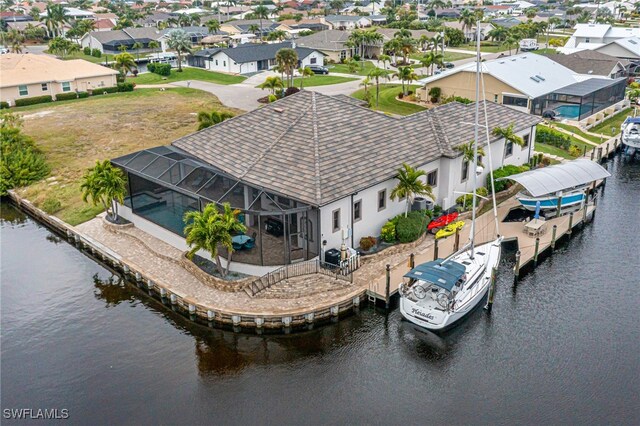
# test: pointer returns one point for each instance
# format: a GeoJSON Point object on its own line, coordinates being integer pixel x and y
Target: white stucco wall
{"type": "Point", "coordinates": [319, 59]}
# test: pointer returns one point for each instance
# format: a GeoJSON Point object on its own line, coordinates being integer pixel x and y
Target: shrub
{"type": "Point", "coordinates": [505, 171]}
{"type": "Point", "coordinates": [82, 95]}
{"type": "Point", "coordinates": [552, 137]}
{"type": "Point", "coordinates": [367, 242]}
{"type": "Point", "coordinates": [160, 69]}
{"type": "Point", "coordinates": [34, 100]}
{"type": "Point", "coordinates": [556, 42]}
{"type": "Point", "coordinates": [96, 53]}
{"type": "Point", "coordinates": [66, 96]}
{"type": "Point", "coordinates": [454, 37]}
{"type": "Point", "coordinates": [388, 232]}
{"type": "Point", "coordinates": [272, 98]}
{"type": "Point", "coordinates": [435, 93]}
{"type": "Point", "coordinates": [125, 87]}
{"type": "Point", "coordinates": [291, 91]}
{"type": "Point", "coordinates": [575, 151]}
{"type": "Point", "coordinates": [467, 199]}
{"type": "Point", "coordinates": [151, 67]}
{"type": "Point", "coordinates": [102, 90]}
{"type": "Point", "coordinates": [453, 98]}
{"type": "Point", "coordinates": [51, 205]}
{"type": "Point", "coordinates": [356, 58]}
{"type": "Point", "coordinates": [410, 228]}
{"type": "Point", "coordinates": [4, 105]}
{"type": "Point", "coordinates": [87, 51]}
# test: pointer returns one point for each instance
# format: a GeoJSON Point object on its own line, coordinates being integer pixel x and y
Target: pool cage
{"type": "Point", "coordinates": [581, 100]}
{"type": "Point", "coordinates": [164, 183]}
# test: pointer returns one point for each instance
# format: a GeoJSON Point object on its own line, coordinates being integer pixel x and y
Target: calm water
{"type": "Point", "coordinates": [560, 348]}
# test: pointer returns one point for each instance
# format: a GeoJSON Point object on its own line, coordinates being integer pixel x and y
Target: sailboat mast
{"type": "Point", "coordinates": [475, 139]}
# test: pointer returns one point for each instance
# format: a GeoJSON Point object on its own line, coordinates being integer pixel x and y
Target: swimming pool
{"type": "Point", "coordinates": [568, 111]}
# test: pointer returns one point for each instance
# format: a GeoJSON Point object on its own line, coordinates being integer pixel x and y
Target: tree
{"type": "Point", "coordinates": [211, 230]}
{"type": "Point", "coordinates": [213, 26]}
{"type": "Point", "coordinates": [105, 185]}
{"type": "Point", "coordinates": [55, 17]}
{"type": "Point", "coordinates": [410, 186]}
{"type": "Point", "coordinates": [179, 41]}
{"type": "Point", "coordinates": [254, 29]}
{"type": "Point", "coordinates": [434, 5]}
{"type": "Point", "coordinates": [62, 47]}
{"type": "Point", "coordinates": [153, 45]}
{"type": "Point", "coordinates": [336, 5]}
{"type": "Point", "coordinates": [304, 72]}
{"type": "Point", "coordinates": [468, 19]}
{"type": "Point", "coordinates": [366, 82]}
{"type": "Point", "coordinates": [352, 65]}
{"type": "Point", "coordinates": [272, 83]}
{"type": "Point", "coordinates": [467, 150]}
{"type": "Point", "coordinates": [208, 119]}
{"type": "Point", "coordinates": [277, 35]}
{"type": "Point", "coordinates": [124, 63]}
{"type": "Point", "coordinates": [498, 33]}
{"type": "Point", "coordinates": [405, 74]}
{"type": "Point", "coordinates": [261, 12]}
{"type": "Point", "coordinates": [137, 46]}
{"type": "Point", "coordinates": [16, 41]}
{"type": "Point", "coordinates": [531, 13]}
{"type": "Point", "coordinates": [510, 42]}
{"type": "Point", "coordinates": [508, 135]}
{"type": "Point", "coordinates": [376, 73]}
{"type": "Point", "coordinates": [384, 59]}
{"type": "Point", "coordinates": [287, 59]}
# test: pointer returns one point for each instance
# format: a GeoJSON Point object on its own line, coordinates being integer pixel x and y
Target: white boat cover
{"type": "Point", "coordinates": [549, 180]}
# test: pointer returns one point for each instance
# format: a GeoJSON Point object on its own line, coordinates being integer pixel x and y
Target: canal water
{"type": "Point", "coordinates": [561, 347]}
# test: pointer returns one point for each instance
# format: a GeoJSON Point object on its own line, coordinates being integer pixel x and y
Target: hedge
{"type": "Point", "coordinates": [96, 53]}
{"type": "Point", "coordinates": [66, 96]}
{"type": "Point", "coordinates": [34, 100]}
{"type": "Point", "coordinates": [467, 199]}
{"type": "Point", "coordinates": [410, 228]}
{"type": "Point", "coordinates": [125, 87]}
{"type": "Point", "coordinates": [86, 50]}
{"type": "Point", "coordinates": [4, 105]}
{"type": "Point", "coordinates": [505, 171]}
{"type": "Point", "coordinates": [552, 137]}
{"type": "Point", "coordinates": [82, 95]}
{"type": "Point", "coordinates": [160, 69]}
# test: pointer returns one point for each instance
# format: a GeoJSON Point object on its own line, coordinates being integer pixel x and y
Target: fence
{"type": "Point", "coordinates": [344, 272]}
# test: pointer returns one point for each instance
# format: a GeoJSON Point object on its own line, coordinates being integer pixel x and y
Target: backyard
{"type": "Point", "coordinates": [188, 74]}
{"type": "Point", "coordinates": [364, 67]}
{"type": "Point", "coordinates": [388, 101]}
{"type": "Point", "coordinates": [74, 134]}
{"type": "Point", "coordinates": [448, 56]}
{"type": "Point", "coordinates": [80, 55]}
{"type": "Point", "coordinates": [556, 150]}
{"type": "Point", "coordinates": [321, 80]}
{"type": "Point", "coordinates": [612, 122]}
{"type": "Point", "coordinates": [487, 47]}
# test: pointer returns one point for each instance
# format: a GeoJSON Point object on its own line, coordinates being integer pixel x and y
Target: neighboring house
{"type": "Point", "coordinates": [532, 83]}
{"type": "Point", "coordinates": [154, 19]}
{"type": "Point", "coordinates": [624, 48]}
{"type": "Point", "coordinates": [470, 33]}
{"type": "Point", "coordinates": [195, 33]}
{"type": "Point", "coordinates": [591, 36]}
{"type": "Point", "coordinates": [104, 24]}
{"type": "Point", "coordinates": [110, 41]}
{"type": "Point", "coordinates": [313, 24]}
{"type": "Point", "coordinates": [330, 42]}
{"type": "Point", "coordinates": [347, 22]}
{"type": "Point", "coordinates": [250, 58]}
{"type": "Point", "coordinates": [26, 76]}
{"type": "Point", "coordinates": [507, 22]}
{"type": "Point", "coordinates": [590, 62]}
{"type": "Point", "coordinates": [319, 174]}
{"type": "Point", "coordinates": [498, 10]}
{"type": "Point", "coordinates": [74, 13]}
{"type": "Point", "coordinates": [243, 26]}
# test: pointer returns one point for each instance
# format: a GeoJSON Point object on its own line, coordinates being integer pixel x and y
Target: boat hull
{"type": "Point", "coordinates": [551, 202]}
{"type": "Point", "coordinates": [440, 320]}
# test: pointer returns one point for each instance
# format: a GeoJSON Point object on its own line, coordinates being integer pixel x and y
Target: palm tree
{"type": "Point", "coordinates": [437, 40]}
{"type": "Point", "coordinates": [287, 59]}
{"type": "Point", "coordinates": [366, 82]}
{"type": "Point", "coordinates": [261, 12]}
{"type": "Point", "coordinates": [16, 41]}
{"type": "Point", "coordinates": [213, 26]}
{"type": "Point", "coordinates": [61, 46]}
{"type": "Point", "coordinates": [124, 63]}
{"type": "Point", "coordinates": [304, 72]}
{"type": "Point", "coordinates": [179, 41]}
{"type": "Point", "coordinates": [137, 46]}
{"type": "Point", "coordinates": [272, 83]}
{"type": "Point", "coordinates": [467, 150]}
{"type": "Point", "coordinates": [510, 41]}
{"type": "Point", "coordinates": [55, 18]}
{"type": "Point", "coordinates": [153, 45]}
{"type": "Point", "coordinates": [208, 119]}
{"type": "Point", "coordinates": [468, 19]}
{"type": "Point", "coordinates": [498, 33]}
{"type": "Point", "coordinates": [106, 185]}
{"type": "Point", "coordinates": [410, 185]}
{"type": "Point", "coordinates": [405, 74]}
{"type": "Point", "coordinates": [211, 229]}
{"type": "Point", "coordinates": [376, 73]}
{"type": "Point", "coordinates": [277, 35]}
{"type": "Point", "coordinates": [352, 66]}
{"type": "Point", "coordinates": [384, 59]}
{"type": "Point", "coordinates": [508, 135]}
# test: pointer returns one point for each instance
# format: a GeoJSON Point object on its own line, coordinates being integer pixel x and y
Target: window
{"type": "Point", "coordinates": [224, 63]}
{"type": "Point", "coordinates": [343, 54]}
{"type": "Point", "coordinates": [66, 86]}
{"type": "Point", "coordinates": [216, 62]}
{"type": "Point", "coordinates": [525, 138]}
{"type": "Point", "coordinates": [357, 210]}
{"type": "Point", "coordinates": [432, 178]}
{"type": "Point", "coordinates": [512, 100]}
{"type": "Point", "coordinates": [335, 220]}
{"type": "Point", "coordinates": [508, 149]}
{"type": "Point", "coordinates": [382, 199]}
{"type": "Point", "coordinates": [587, 40]}
{"type": "Point", "coordinates": [313, 60]}
{"type": "Point", "coordinates": [465, 171]}
{"type": "Point", "coordinates": [22, 90]}
{"type": "Point", "coordinates": [495, 98]}
{"type": "Point", "coordinates": [45, 87]}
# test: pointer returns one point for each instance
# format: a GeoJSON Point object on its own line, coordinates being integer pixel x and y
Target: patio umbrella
{"type": "Point", "coordinates": [536, 215]}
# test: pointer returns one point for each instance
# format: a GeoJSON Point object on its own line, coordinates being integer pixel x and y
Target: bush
{"type": "Point", "coordinates": [87, 51]}
{"type": "Point", "coordinates": [66, 96]}
{"type": "Point", "coordinates": [575, 151]}
{"type": "Point", "coordinates": [151, 67]}
{"type": "Point", "coordinates": [453, 98]}
{"type": "Point", "coordinates": [410, 228]}
{"type": "Point", "coordinates": [34, 100]}
{"type": "Point", "coordinates": [505, 171]}
{"type": "Point", "coordinates": [467, 199]}
{"type": "Point", "coordinates": [160, 69]}
{"type": "Point", "coordinates": [272, 98]}
{"type": "Point", "coordinates": [291, 91]}
{"type": "Point", "coordinates": [356, 58]}
{"type": "Point", "coordinates": [552, 137]}
{"type": "Point", "coordinates": [103, 90]}
{"type": "Point", "coordinates": [4, 105]}
{"type": "Point", "coordinates": [96, 53]}
{"type": "Point", "coordinates": [82, 95]}
{"type": "Point", "coordinates": [454, 37]}
{"type": "Point", "coordinates": [125, 87]}
{"type": "Point", "coordinates": [388, 232]}
{"type": "Point", "coordinates": [367, 242]}
{"type": "Point", "coordinates": [435, 93]}
{"type": "Point", "coordinates": [51, 205]}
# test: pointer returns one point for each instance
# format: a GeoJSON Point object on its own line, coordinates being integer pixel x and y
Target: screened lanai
{"type": "Point", "coordinates": [164, 183]}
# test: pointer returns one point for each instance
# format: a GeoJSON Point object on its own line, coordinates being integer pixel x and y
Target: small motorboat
{"type": "Point", "coordinates": [442, 221]}
{"type": "Point", "coordinates": [631, 135]}
{"type": "Point", "coordinates": [570, 198]}
{"type": "Point", "coordinates": [450, 229]}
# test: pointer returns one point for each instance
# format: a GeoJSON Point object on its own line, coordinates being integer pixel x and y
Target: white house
{"type": "Point", "coordinates": [593, 36]}
{"type": "Point", "coordinates": [347, 22]}
{"type": "Point", "coordinates": [250, 57]}
{"type": "Point", "coordinates": [309, 172]}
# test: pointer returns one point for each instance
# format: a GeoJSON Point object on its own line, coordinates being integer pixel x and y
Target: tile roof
{"type": "Point", "coordinates": [312, 151]}
{"type": "Point", "coordinates": [325, 40]}
{"type": "Point", "coordinates": [250, 52]}
{"type": "Point", "coordinates": [587, 62]}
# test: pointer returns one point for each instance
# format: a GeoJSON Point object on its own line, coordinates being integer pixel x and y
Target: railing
{"type": "Point", "coordinates": [344, 272]}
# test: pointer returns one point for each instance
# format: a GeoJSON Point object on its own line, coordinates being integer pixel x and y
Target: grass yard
{"type": "Point", "coordinates": [188, 74]}
{"type": "Point", "coordinates": [577, 131]}
{"type": "Point", "coordinates": [81, 55]}
{"type": "Point", "coordinates": [74, 134]}
{"type": "Point", "coordinates": [448, 56]}
{"type": "Point", "coordinates": [486, 46]}
{"type": "Point", "coordinates": [546, 51]}
{"type": "Point", "coordinates": [321, 80]}
{"type": "Point", "coordinates": [388, 101]}
{"type": "Point", "coordinates": [552, 150]}
{"type": "Point", "coordinates": [613, 121]}
{"type": "Point", "coordinates": [364, 68]}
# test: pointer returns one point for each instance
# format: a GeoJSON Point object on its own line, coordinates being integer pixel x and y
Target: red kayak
{"type": "Point", "coordinates": [442, 221]}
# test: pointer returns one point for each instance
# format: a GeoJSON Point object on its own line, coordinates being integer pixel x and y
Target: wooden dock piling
{"type": "Point", "coordinates": [457, 242]}
{"type": "Point", "coordinates": [516, 268]}
{"type": "Point", "coordinates": [387, 287]}
{"type": "Point", "coordinates": [570, 230]}
{"type": "Point", "coordinates": [492, 290]}
{"type": "Point", "coordinates": [435, 250]}
{"type": "Point", "coordinates": [412, 261]}
{"type": "Point", "coordinates": [535, 252]}
{"type": "Point", "coordinates": [554, 230]}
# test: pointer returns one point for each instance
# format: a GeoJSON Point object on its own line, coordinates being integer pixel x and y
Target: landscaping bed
{"type": "Point", "coordinates": [388, 99]}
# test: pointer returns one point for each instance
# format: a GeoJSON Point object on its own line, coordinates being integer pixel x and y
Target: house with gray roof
{"type": "Point", "coordinates": [309, 172]}
{"type": "Point", "coordinates": [329, 42]}
{"type": "Point", "coordinates": [111, 41]}
{"type": "Point", "coordinates": [347, 22]}
{"type": "Point", "coordinates": [590, 62]}
{"type": "Point", "coordinates": [252, 57]}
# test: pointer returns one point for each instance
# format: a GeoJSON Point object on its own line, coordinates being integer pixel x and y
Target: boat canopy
{"type": "Point", "coordinates": [549, 180]}
{"type": "Point", "coordinates": [632, 120]}
{"type": "Point", "coordinates": [444, 275]}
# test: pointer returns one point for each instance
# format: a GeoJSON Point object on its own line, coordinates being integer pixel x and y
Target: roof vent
{"type": "Point", "coordinates": [279, 110]}
{"type": "Point", "coordinates": [540, 77]}
{"type": "Point", "coordinates": [513, 59]}
{"type": "Point", "coordinates": [534, 79]}
{"type": "Point", "coordinates": [590, 72]}
{"type": "Point", "coordinates": [632, 41]}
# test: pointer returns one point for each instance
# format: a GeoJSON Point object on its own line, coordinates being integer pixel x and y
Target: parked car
{"type": "Point", "coordinates": [449, 65]}
{"type": "Point", "coordinates": [3, 50]}
{"type": "Point", "coordinates": [318, 69]}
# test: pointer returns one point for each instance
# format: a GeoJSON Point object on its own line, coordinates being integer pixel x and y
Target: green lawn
{"type": "Point", "coordinates": [188, 74]}
{"type": "Point", "coordinates": [552, 150]}
{"type": "Point", "coordinates": [578, 131]}
{"type": "Point", "coordinates": [448, 56]}
{"type": "Point", "coordinates": [614, 121]}
{"type": "Point", "coordinates": [81, 55]}
{"type": "Point", "coordinates": [388, 101]}
{"type": "Point", "coordinates": [322, 80]}
{"type": "Point", "coordinates": [364, 68]}
{"type": "Point", "coordinates": [486, 46]}
{"type": "Point", "coordinates": [560, 152]}
{"type": "Point", "coordinates": [546, 51]}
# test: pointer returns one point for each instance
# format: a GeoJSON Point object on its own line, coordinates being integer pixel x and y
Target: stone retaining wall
{"type": "Point", "coordinates": [222, 285]}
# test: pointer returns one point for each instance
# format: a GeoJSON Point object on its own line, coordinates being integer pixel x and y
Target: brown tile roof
{"type": "Point", "coordinates": [319, 149]}
{"type": "Point", "coordinates": [587, 62]}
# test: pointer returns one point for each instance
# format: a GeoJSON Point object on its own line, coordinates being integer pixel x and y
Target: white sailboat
{"type": "Point", "coordinates": [439, 293]}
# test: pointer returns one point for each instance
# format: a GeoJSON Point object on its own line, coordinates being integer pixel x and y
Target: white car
{"type": "Point", "coordinates": [3, 50]}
